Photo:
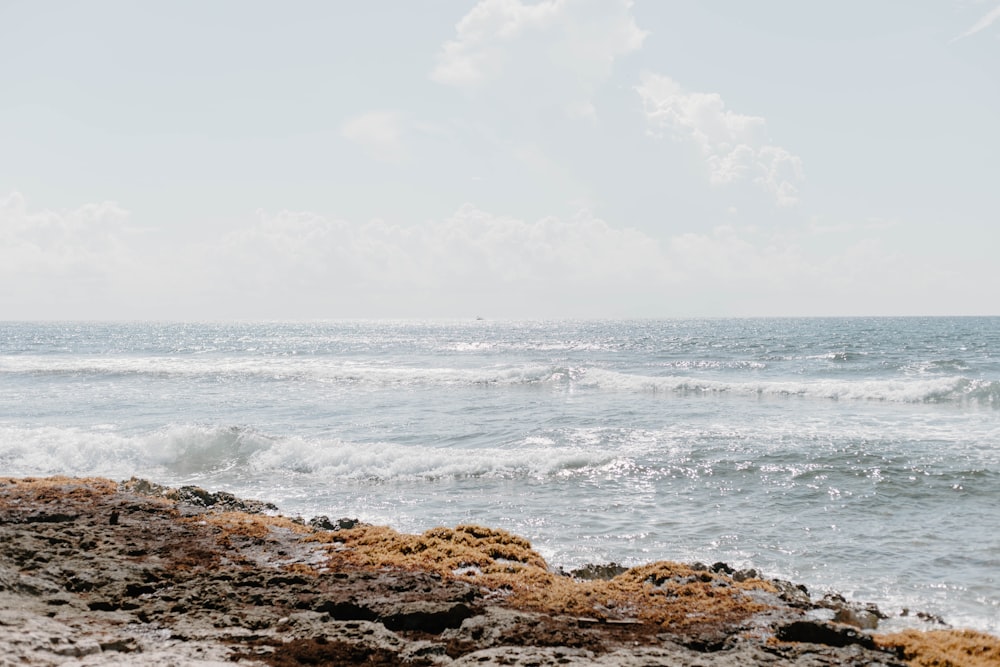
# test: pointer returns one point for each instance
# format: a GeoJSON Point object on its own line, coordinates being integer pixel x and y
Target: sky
{"type": "Point", "coordinates": [235, 159]}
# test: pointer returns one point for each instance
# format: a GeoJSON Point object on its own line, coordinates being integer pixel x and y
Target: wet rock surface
{"type": "Point", "coordinates": [98, 573]}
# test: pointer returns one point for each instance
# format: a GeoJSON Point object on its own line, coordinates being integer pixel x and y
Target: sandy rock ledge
{"type": "Point", "coordinates": [94, 572]}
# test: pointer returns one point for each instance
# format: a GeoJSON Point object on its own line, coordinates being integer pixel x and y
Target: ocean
{"type": "Point", "coordinates": [858, 455]}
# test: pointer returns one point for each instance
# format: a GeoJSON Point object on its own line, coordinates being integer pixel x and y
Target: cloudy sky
{"type": "Point", "coordinates": [500, 158]}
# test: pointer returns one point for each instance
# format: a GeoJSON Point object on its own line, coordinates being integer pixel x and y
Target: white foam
{"type": "Point", "coordinates": [175, 450]}
{"type": "Point", "coordinates": [903, 390]}
{"type": "Point", "coordinates": [280, 368]}
{"type": "Point", "coordinates": [186, 450]}
{"type": "Point", "coordinates": [388, 461]}
{"type": "Point", "coordinates": [336, 371]}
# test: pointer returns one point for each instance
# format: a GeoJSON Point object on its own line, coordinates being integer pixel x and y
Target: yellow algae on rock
{"type": "Point", "coordinates": [672, 595]}
{"type": "Point", "coordinates": [249, 525]}
{"type": "Point", "coordinates": [441, 550]}
{"type": "Point", "coordinates": [66, 485]}
{"type": "Point", "coordinates": [944, 648]}
{"type": "Point", "coordinates": [189, 560]}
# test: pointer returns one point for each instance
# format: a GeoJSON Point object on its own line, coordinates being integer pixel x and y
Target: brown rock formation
{"type": "Point", "coordinates": [94, 572]}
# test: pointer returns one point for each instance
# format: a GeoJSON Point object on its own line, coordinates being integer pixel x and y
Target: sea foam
{"type": "Point", "coordinates": [918, 388]}
{"type": "Point", "coordinates": [197, 450]}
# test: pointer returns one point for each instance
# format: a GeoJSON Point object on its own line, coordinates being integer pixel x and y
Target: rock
{"type": "Point", "coordinates": [743, 575]}
{"type": "Point", "coordinates": [795, 595]}
{"type": "Point", "coordinates": [322, 523]}
{"type": "Point", "coordinates": [424, 616]}
{"type": "Point", "coordinates": [77, 649]}
{"type": "Point", "coordinates": [528, 656]}
{"type": "Point", "coordinates": [863, 616]}
{"type": "Point", "coordinates": [346, 610]}
{"type": "Point", "coordinates": [175, 581]}
{"type": "Point", "coordinates": [605, 571]}
{"type": "Point", "coordinates": [862, 619]}
{"type": "Point", "coordinates": [722, 568]}
{"type": "Point", "coordinates": [814, 632]}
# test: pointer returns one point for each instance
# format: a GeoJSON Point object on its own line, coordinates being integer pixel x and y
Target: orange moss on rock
{"type": "Point", "coordinates": [42, 487]}
{"type": "Point", "coordinates": [43, 491]}
{"type": "Point", "coordinates": [241, 524]}
{"type": "Point", "coordinates": [673, 596]}
{"type": "Point", "coordinates": [441, 550]}
{"type": "Point", "coordinates": [944, 648]}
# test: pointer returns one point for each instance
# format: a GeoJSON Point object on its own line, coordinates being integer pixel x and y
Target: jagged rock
{"type": "Point", "coordinates": [795, 595]}
{"type": "Point", "coordinates": [863, 616]}
{"type": "Point", "coordinates": [424, 616]}
{"type": "Point", "coordinates": [606, 571]}
{"type": "Point", "coordinates": [722, 567]}
{"type": "Point", "coordinates": [322, 523]}
{"type": "Point", "coordinates": [177, 582]}
{"type": "Point", "coordinates": [814, 632]}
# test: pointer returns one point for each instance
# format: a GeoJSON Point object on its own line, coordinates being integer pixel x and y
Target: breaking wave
{"type": "Point", "coordinates": [190, 451]}
{"type": "Point", "coordinates": [922, 388]}
{"type": "Point", "coordinates": [928, 390]}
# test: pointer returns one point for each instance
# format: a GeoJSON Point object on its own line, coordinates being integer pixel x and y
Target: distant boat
{"type": "Point", "coordinates": [479, 319]}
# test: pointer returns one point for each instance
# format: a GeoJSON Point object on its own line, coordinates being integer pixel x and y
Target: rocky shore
{"type": "Point", "coordinates": [94, 572]}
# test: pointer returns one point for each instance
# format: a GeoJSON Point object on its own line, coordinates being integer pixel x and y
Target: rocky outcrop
{"type": "Point", "coordinates": [94, 572]}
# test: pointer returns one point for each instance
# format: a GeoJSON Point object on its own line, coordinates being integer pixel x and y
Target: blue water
{"type": "Point", "coordinates": [857, 455]}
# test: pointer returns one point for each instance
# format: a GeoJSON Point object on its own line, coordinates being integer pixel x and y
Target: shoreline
{"type": "Point", "coordinates": [99, 572]}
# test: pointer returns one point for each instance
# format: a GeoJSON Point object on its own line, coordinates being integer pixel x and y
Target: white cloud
{"type": "Point", "coordinates": [84, 263]}
{"type": "Point", "coordinates": [378, 132]}
{"type": "Point", "coordinates": [476, 262]}
{"type": "Point", "coordinates": [553, 52]}
{"type": "Point", "coordinates": [749, 272]}
{"type": "Point", "coordinates": [735, 146]}
{"type": "Point", "coordinates": [88, 240]}
{"type": "Point", "coordinates": [982, 24]}
{"type": "Point", "coordinates": [472, 247]}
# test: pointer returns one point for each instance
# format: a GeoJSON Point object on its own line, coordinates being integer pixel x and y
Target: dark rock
{"type": "Point", "coordinates": [604, 572]}
{"type": "Point", "coordinates": [346, 610]}
{"type": "Point", "coordinates": [426, 616]}
{"type": "Point", "coordinates": [119, 646]}
{"type": "Point", "coordinates": [322, 523]}
{"type": "Point", "coordinates": [55, 517]}
{"type": "Point", "coordinates": [859, 618]}
{"type": "Point", "coordinates": [812, 632]}
{"type": "Point", "coordinates": [196, 496]}
{"type": "Point", "coordinates": [864, 616]}
{"type": "Point", "coordinates": [135, 590]}
{"type": "Point", "coordinates": [930, 618]}
{"type": "Point", "coordinates": [720, 567]}
{"type": "Point", "coordinates": [708, 641]}
{"type": "Point", "coordinates": [795, 595]}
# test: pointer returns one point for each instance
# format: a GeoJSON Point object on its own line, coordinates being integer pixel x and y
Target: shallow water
{"type": "Point", "coordinates": [861, 455]}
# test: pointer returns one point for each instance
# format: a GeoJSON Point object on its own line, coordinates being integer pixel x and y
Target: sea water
{"type": "Point", "coordinates": [853, 455]}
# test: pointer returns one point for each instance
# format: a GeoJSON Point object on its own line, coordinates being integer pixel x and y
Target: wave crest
{"type": "Point", "coordinates": [190, 451]}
